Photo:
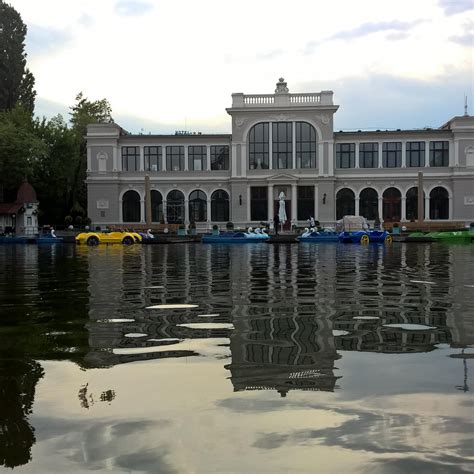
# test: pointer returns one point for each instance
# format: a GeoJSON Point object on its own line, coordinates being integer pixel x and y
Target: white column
{"type": "Point", "coordinates": [357, 201]}
{"type": "Point", "coordinates": [89, 159]}
{"type": "Point", "coordinates": [165, 217]}
{"type": "Point", "coordinates": [456, 152]}
{"type": "Point", "coordinates": [451, 160]}
{"type": "Point", "coordinates": [248, 203]}
{"type": "Point", "coordinates": [142, 211]}
{"type": "Point", "coordinates": [208, 158]}
{"type": "Point", "coordinates": [270, 202]}
{"type": "Point", "coordinates": [208, 208]}
{"type": "Point", "coordinates": [120, 160]}
{"type": "Point", "coordinates": [450, 210]}
{"type": "Point", "coordinates": [331, 157]}
{"type": "Point", "coordinates": [294, 201]}
{"type": "Point", "coordinates": [357, 155]}
{"type": "Point", "coordinates": [293, 149]}
{"type": "Point", "coordinates": [320, 159]}
{"type": "Point", "coordinates": [427, 207]}
{"type": "Point", "coordinates": [120, 208]}
{"type": "Point", "coordinates": [186, 211]}
{"type": "Point", "coordinates": [316, 203]}
{"type": "Point", "coordinates": [404, 209]}
{"type": "Point", "coordinates": [380, 154]}
{"type": "Point", "coordinates": [186, 164]}
{"type": "Point", "coordinates": [163, 158]}
{"type": "Point", "coordinates": [270, 145]}
{"type": "Point", "coordinates": [427, 154]}
{"type": "Point", "coordinates": [404, 154]}
{"type": "Point", "coordinates": [114, 159]}
{"type": "Point", "coordinates": [381, 208]}
{"type": "Point", "coordinates": [141, 163]}
{"type": "Point", "coordinates": [244, 158]}
{"type": "Point", "coordinates": [233, 160]}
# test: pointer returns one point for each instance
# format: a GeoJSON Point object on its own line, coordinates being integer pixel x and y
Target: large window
{"type": "Point", "coordinates": [197, 156]}
{"type": "Point", "coordinates": [131, 207]}
{"type": "Point", "coordinates": [345, 203]}
{"type": "Point", "coordinates": [368, 155]}
{"type": "Point", "coordinates": [219, 206]}
{"type": "Point", "coordinates": [258, 203]}
{"type": "Point", "coordinates": [392, 154]}
{"type": "Point", "coordinates": [369, 204]}
{"type": "Point", "coordinates": [130, 158]}
{"type": "Point", "coordinates": [305, 145]}
{"type": "Point", "coordinates": [152, 158]}
{"type": "Point", "coordinates": [282, 145]}
{"type": "Point", "coordinates": [412, 204]}
{"type": "Point", "coordinates": [175, 207]}
{"type": "Point", "coordinates": [197, 206]}
{"type": "Point", "coordinates": [175, 158]}
{"type": "Point", "coordinates": [258, 146]}
{"type": "Point", "coordinates": [219, 157]}
{"type": "Point", "coordinates": [345, 155]}
{"type": "Point", "coordinates": [305, 202]}
{"type": "Point", "coordinates": [439, 203]}
{"type": "Point", "coordinates": [156, 206]}
{"type": "Point", "coordinates": [392, 205]}
{"type": "Point", "coordinates": [415, 154]}
{"type": "Point", "coordinates": [439, 153]}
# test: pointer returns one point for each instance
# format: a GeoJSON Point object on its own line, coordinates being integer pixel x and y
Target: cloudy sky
{"type": "Point", "coordinates": [167, 64]}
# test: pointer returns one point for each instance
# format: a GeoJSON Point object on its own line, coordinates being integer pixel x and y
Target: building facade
{"type": "Point", "coordinates": [281, 142]}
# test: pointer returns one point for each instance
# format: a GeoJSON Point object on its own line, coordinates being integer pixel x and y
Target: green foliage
{"type": "Point", "coordinates": [16, 81]}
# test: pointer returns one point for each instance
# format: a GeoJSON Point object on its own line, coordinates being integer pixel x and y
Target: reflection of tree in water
{"type": "Point", "coordinates": [18, 379]}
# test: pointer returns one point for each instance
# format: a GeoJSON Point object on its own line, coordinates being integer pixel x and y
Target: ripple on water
{"type": "Point", "coordinates": [409, 327]}
{"type": "Point", "coordinates": [172, 306]}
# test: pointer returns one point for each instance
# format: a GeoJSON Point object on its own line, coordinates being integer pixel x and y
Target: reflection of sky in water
{"type": "Point", "coordinates": [295, 358]}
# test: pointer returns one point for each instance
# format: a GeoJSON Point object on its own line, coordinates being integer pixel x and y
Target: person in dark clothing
{"type": "Point", "coordinates": [276, 223]}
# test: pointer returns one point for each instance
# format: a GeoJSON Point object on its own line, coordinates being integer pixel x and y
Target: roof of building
{"type": "Point", "coordinates": [10, 207]}
{"type": "Point", "coordinates": [26, 193]}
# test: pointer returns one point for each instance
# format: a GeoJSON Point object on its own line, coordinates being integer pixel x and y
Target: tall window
{"type": "Point", "coordinates": [219, 206]}
{"type": "Point", "coordinates": [130, 157]}
{"type": "Point", "coordinates": [305, 202]}
{"type": "Point", "coordinates": [175, 207]}
{"type": "Point", "coordinates": [219, 157]}
{"type": "Point", "coordinates": [197, 156]}
{"type": "Point", "coordinates": [368, 155]}
{"type": "Point", "coordinates": [392, 154]}
{"type": "Point", "coordinates": [175, 158]}
{"type": "Point", "coordinates": [392, 205]}
{"type": "Point", "coordinates": [258, 204]}
{"type": "Point", "coordinates": [345, 203]}
{"type": "Point", "coordinates": [345, 155]}
{"type": "Point", "coordinates": [156, 206]}
{"type": "Point", "coordinates": [415, 154]}
{"type": "Point", "coordinates": [412, 204]}
{"type": "Point", "coordinates": [197, 206]}
{"type": "Point", "coordinates": [369, 204]}
{"type": "Point", "coordinates": [282, 145]}
{"type": "Point", "coordinates": [439, 203]}
{"type": "Point", "coordinates": [258, 146]}
{"type": "Point", "coordinates": [131, 207]}
{"type": "Point", "coordinates": [439, 153]}
{"type": "Point", "coordinates": [152, 158]}
{"type": "Point", "coordinates": [305, 145]}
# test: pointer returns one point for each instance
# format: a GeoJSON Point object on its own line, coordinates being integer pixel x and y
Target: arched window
{"type": "Point", "coordinates": [156, 206]}
{"type": "Point", "coordinates": [197, 206]}
{"type": "Point", "coordinates": [412, 204]}
{"type": "Point", "coordinates": [305, 145]}
{"type": "Point", "coordinates": [439, 203]}
{"type": "Point", "coordinates": [392, 205]}
{"type": "Point", "coordinates": [258, 146]}
{"type": "Point", "coordinates": [369, 204]}
{"type": "Point", "coordinates": [219, 206]}
{"type": "Point", "coordinates": [131, 207]}
{"type": "Point", "coordinates": [175, 207]}
{"type": "Point", "coordinates": [345, 203]}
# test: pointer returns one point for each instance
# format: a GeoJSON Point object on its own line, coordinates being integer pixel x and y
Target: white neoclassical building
{"type": "Point", "coordinates": [281, 142]}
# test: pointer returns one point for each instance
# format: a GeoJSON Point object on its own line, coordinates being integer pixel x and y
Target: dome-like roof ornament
{"type": "Point", "coordinates": [281, 87]}
{"type": "Point", "coordinates": [26, 193]}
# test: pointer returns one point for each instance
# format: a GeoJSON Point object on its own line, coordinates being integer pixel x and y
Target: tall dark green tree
{"type": "Point", "coordinates": [16, 81]}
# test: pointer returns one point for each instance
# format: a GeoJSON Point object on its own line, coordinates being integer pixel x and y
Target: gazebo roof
{"type": "Point", "coordinates": [26, 193]}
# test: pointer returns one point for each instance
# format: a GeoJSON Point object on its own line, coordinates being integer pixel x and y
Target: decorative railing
{"type": "Point", "coordinates": [305, 98]}
{"type": "Point", "coordinates": [259, 99]}
{"type": "Point", "coordinates": [280, 100]}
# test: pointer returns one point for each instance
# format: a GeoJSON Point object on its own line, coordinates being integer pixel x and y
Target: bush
{"type": "Point", "coordinates": [78, 220]}
{"type": "Point", "coordinates": [229, 225]}
{"type": "Point", "coordinates": [68, 220]}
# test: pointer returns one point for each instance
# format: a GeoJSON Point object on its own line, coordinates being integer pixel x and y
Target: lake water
{"type": "Point", "coordinates": [277, 358]}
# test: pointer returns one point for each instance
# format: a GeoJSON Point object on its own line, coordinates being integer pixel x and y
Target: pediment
{"type": "Point", "coordinates": [282, 177]}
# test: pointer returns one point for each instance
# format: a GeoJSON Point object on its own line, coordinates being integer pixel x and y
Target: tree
{"type": "Point", "coordinates": [16, 81]}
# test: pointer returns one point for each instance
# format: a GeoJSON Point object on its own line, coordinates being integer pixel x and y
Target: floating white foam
{"type": "Point", "coordinates": [164, 339]}
{"type": "Point", "coordinates": [207, 315]}
{"type": "Point", "coordinates": [207, 325]}
{"type": "Point", "coordinates": [136, 334]}
{"type": "Point", "coordinates": [153, 287]}
{"type": "Point", "coordinates": [115, 320]}
{"type": "Point", "coordinates": [423, 282]}
{"type": "Point", "coordinates": [410, 327]}
{"type": "Point", "coordinates": [339, 332]}
{"type": "Point", "coordinates": [172, 306]}
{"type": "Point", "coordinates": [469, 286]}
{"type": "Point", "coordinates": [56, 333]}
{"type": "Point", "coordinates": [366, 317]}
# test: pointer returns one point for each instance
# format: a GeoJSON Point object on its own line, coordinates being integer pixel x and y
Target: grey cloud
{"type": "Point", "coordinates": [397, 36]}
{"type": "Point", "coordinates": [452, 7]}
{"type": "Point", "coordinates": [40, 40]}
{"type": "Point", "coordinates": [132, 7]}
{"type": "Point", "coordinates": [466, 38]}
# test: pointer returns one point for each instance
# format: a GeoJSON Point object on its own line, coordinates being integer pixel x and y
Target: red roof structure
{"type": "Point", "coordinates": [26, 193]}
